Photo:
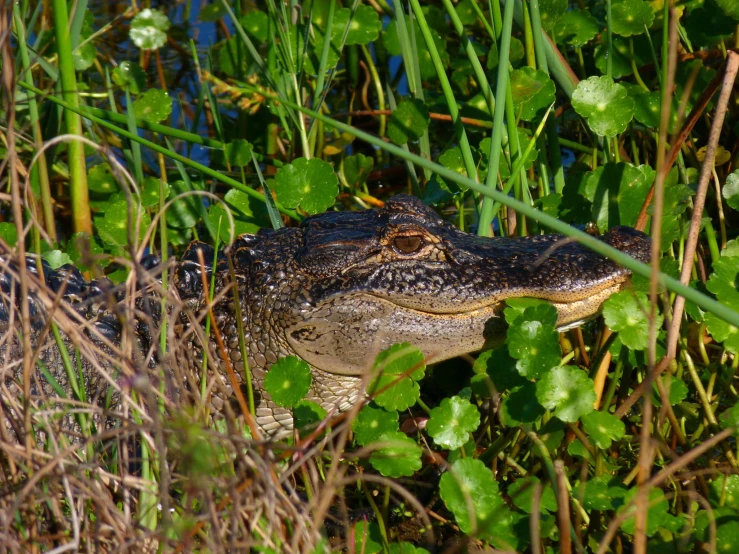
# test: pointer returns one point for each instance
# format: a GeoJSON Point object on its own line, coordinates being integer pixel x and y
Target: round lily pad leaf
{"type": "Point", "coordinates": [466, 12]}
{"type": "Point", "coordinates": [452, 422]}
{"type": "Point", "coordinates": [730, 8]}
{"type": "Point", "coordinates": [724, 491]}
{"type": "Point", "coordinates": [256, 24]}
{"type": "Point", "coordinates": [308, 414]}
{"type": "Point", "coordinates": [367, 537]}
{"type": "Point", "coordinates": [606, 105]}
{"type": "Point", "coordinates": [533, 92]}
{"type": "Point", "coordinates": [56, 258]}
{"type": "Point", "coordinates": [113, 224]}
{"type": "Point", "coordinates": [723, 281]}
{"type": "Point", "coordinates": [154, 106]}
{"type": "Point", "coordinates": [630, 17]}
{"type": "Point", "coordinates": [288, 381]}
{"type": "Point", "coordinates": [730, 418]}
{"type": "Point", "coordinates": [500, 367]}
{"type": "Point", "coordinates": [212, 12]}
{"type": "Point", "coordinates": [400, 367]}
{"type": "Point", "coordinates": [129, 74]}
{"type": "Point", "coordinates": [401, 456]}
{"type": "Point", "coordinates": [535, 344]}
{"type": "Point", "coordinates": [310, 184]}
{"type": "Point", "coordinates": [658, 511]}
{"type": "Point", "coordinates": [731, 190]}
{"type": "Point", "coordinates": [9, 233]}
{"type": "Point", "coordinates": [149, 29]}
{"type": "Point", "coordinates": [238, 152]}
{"type": "Point", "coordinates": [604, 493]}
{"type": "Point", "coordinates": [675, 388]}
{"type": "Point", "coordinates": [357, 168]}
{"type": "Point", "coordinates": [151, 190]}
{"type": "Point", "coordinates": [617, 191]}
{"type": "Point", "coordinates": [522, 494]}
{"type": "Point", "coordinates": [568, 391]}
{"type": "Point", "coordinates": [551, 11]}
{"type": "Point", "coordinates": [364, 28]}
{"type": "Point", "coordinates": [84, 55]}
{"type": "Point", "coordinates": [101, 180]}
{"type": "Point", "coordinates": [409, 121]}
{"type": "Point", "coordinates": [626, 313]}
{"type": "Point", "coordinates": [576, 28]}
{"type": "Point", "coordinates": [82, 249]}
{"type": "Point", "coordinates": [184, 212]}
{"type": "Point", "coordinates": [521, 406]}
{"type": "Point", "coordinates": [647, 107]}
{"type": "Point", "coordinates": [603, 428]}
{"type": "Point", "coordinates": [373, 422]}
{"type": "Point", "coordinates": [405, 547]}
{"type": "Point", "coordinates": [541, 310]}
{"type": "Point", "coordinates": [723, 332]}
{"type": "Point", "coordinates": [470, 492]}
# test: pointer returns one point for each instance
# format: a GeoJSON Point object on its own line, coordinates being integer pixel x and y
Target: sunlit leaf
{"type": "Point", "coordinates": [288, 381]}
{"type": "Point", "coordinates": [149, 29]}
{"type": "Point", "coordinates": [568, 391]}
{"type": "Point", "coordinates": [606, 105]}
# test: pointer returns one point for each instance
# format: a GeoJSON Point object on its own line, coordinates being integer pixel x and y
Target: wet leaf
{"type": "Point", "coordinates": [630, 17]}
{"type": "Point", "coordinates": [311, 184]}
{"type": "Point", "coordinates": [288, 381]}
{"type": "Point", "coordinates": [373, 422]}
{"type": "Point", "coordinates": [551, 11]}
{"type": "Point", "coordinates": [731, 190]}
{"type": "Point", "coordinates": [603, 428]}
{"type": "Point", "coordinates": [101, 180]}
{"type": "Point", "coordinates": [568, 391]}
{"type": "Point", "coordinates": [149, 29]}
{"type": "Point", "coordinates": [396, 387]}
{"type": "Point", "coordinates": [535, 344]}
{"type": "Point", "coordinates": [129, 74]}
{"type": "Point", "coordinates": [576, 28]}
{"type": "Point", "coordinates": [625, 313]}
{"type": "Point", "coordinates": [606, 105]}
{"type": "Point", "coordinates": [113, 224]}
{"type": "Point", "coordinates": [533, 92]}
{"type": "Point", "coordinates": [467, 484]}
{"type": "Point", "coordinates": [451, 423]}
{"type": "Point", "coordinates": [154, 106]}
{"type": "Point", "coordinates": [409, 121]}
{"type": "Point", "coordinates": [401, 456]}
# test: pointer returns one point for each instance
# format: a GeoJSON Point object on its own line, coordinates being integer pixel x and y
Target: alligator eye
{"type": "Point", "coordinates": [409, 244]}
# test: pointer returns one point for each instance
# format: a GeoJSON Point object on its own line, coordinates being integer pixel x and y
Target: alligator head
{"type": "Point", "coordinates": [401, 274]}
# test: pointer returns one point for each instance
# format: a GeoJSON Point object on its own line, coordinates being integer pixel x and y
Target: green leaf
{"type": "Point", "coordinates": [576, 28]}
{"type": "Point", "coordinates": [658, 511]}
{"type": "Point", "coordinates": [534, 343]}
{"type": "Point", "coordinates": [238, 152]}
{"type": "Point", "coordinates": [288, 381]}
{"type": "Point", "coordinates": [630, 17]}
{"type": "Point", "coordinates": [9, 233]}
{"type": "Point", "coordinates": [466, 12]}
{"type": "Point", "coordinates": [373, 422]}
{"type": "Point", "coordinates": [551, 11]}
{"type": "Point", "coordinates": [451, 423]}
{"type": "Point", "coordinates": [364, 28]}
{"type": "Point", "coordinates": [409, 121]}
{"type": "Point", "coordinates": [603, 428]}
{"type": "Point", "coordinates": [367, 537]}
{"type": "Point", "coordinates": [521, 406]}
{"type": "Point", "coordinates": [604, 493]}
{"type": "Point", "coordinates": [724, 491]}
{"type": "Point", "coordinates": [730, 8]}
{"type": "Point", "coordinates": [425, 63]}
{"type": "Point", "coordinates": [606, 105]}
{"type": "Point", "coordinates": [676, 390]}
{"type": "Point", "coordinates": [311, 184]}
{"type": "Point", "coordinates": [256, 23]}
{"type": "Point", "coordinates": [357, 168]}
{"type": "Point", "coordinates": [84, 55]}
{"type": "Point", "coordinates": [82, 249]}
{"type": "Point", "coordinates": [212, 12]}
{"type": "Point", "coordinates": [101, 180]}
{"type": "Point", "coordinates": [150, 191]}
{"type": "Point", "coordinates": [56, 258]}
{"type": "Point", "coordinates": [500, 367]}
{"type": "Point", "coordinates": [568, 391]}
{"type": "Point", "coordinates": [149, 29]}
{"type": "Point", "coordinates": [731, 190]}
{"type": "Point", "coordinates": [522, 494]}
{"type": "Point", "coordinates": [129, 74]}
{"type": "Point", "coordinates": [183, 213]}
{"type": "Point", "coordinates": [625, 312]}
{"type": "Point", "coordinates": [469, 484]}
{"type": "Point", "coordinates": [113, 224]}
{"type": "Point", "coordinates": [730, 418]}
{"type": "Point", "coordinates": [405, 548]}
{"type": "Point", "coordinates": [541, 310]}
{"type": "Point", "coordinates": [723, 332]}
{"type": "Point", "coordinates": [617, 191]}
{"type": "Point", "coordinates": [399, 368]}
{"type": "Point", "coordinates": [400, 458]}
{"type": "Point", "coordinates": [154, 106]}
{"type": "Point", "coordinates": [308, 414]}
{"type": "Point", "coordinates": [533, 92]}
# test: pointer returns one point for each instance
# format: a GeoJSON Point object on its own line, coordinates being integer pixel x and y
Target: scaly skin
{"type": "Point", "coordinates": [334, 291]}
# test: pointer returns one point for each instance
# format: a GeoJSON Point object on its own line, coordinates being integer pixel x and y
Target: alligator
{"type": "Point", "coordinates": [334, 291]}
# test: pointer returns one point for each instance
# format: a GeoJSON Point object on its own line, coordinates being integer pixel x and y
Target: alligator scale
{"type": "Point", "coordinates": [333, 291]}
